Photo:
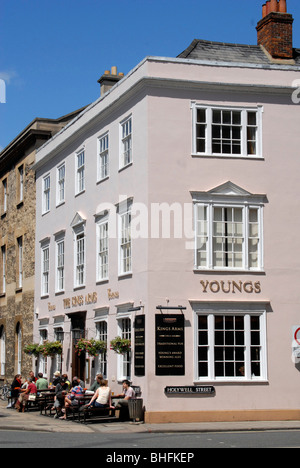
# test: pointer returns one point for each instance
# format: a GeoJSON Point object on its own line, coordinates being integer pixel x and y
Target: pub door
{"type": "Point", "coordinates": [78, 332]}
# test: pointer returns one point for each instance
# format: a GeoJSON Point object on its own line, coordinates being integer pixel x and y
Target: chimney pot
{"type": "Point", "coordinates": [264, 10]}
{"type": "Point", "coordinates": [114, 70]}
{"type": "Point", "coordinates": [109, 79]}
{"type": "Point", "coordinates": [273, 6]}
{"type": "Point", "coordinates": [282, 8]}
{"type": "Point", "coordinates": [268, 6]}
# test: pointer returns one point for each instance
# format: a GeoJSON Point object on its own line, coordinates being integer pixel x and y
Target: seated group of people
{"type": "Point", "coordinates": [69, 394]}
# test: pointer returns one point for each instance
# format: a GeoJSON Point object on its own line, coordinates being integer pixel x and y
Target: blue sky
{"type": "Point", "coordinates": [53, 52]}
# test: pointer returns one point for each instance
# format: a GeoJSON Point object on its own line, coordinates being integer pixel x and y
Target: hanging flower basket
{"type": "Point", "coordinates": [120, 345]}
{"type": "Point", "coordinates": [52, 348]}
{"type": "Point", "coordinates": [32, 349]}
{"type": "Point", "coordinates": [92, 347]}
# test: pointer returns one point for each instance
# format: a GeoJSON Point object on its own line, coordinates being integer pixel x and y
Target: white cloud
{"type": "Point", "coordinates": [8, 76]}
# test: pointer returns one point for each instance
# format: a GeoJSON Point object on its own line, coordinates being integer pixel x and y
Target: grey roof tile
{"type": "Point", "coordinates": [232, 53]}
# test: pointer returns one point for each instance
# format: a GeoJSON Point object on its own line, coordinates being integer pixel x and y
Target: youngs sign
{"type": "Point", "coordinates": [231, 287]}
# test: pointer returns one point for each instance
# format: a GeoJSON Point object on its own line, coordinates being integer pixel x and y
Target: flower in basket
{"type": "Point", "coordinates": [120, 345]}
{"type": "Point", "coordinates": [52, 348]}
{"type": "Point", "coordinates": [92, 347]}
{"type": "Point", "coordinates": [32, 349]}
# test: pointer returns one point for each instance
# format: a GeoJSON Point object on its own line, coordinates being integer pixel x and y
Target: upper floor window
{"type": "Point", "coordinates": [20, 262]}
{"type": "Point", "coordinates": [102, 259]}
{"type": "Point", "coordinates": [103, 161]}
{"type": "Point", "coordinates": [126, 143]}
{"type": "Point", "coordinates": [3, 270]}
{"type": "Point", "coordinates": [46, 193]}
{"type": "Point", "coordinates": [232, 132]}
{"type": "Point", "coordinates": [80, 260]}
{"type": "Point", "coordinates": [61, 173]}
{"type": "Point", "coordinates": [80, 172]}
{"type": "Point", "coordinates": [125, 246]}
{"type": "Point", "coordinates": [20, 184]}
{"type": "Point", "coordinates": [229, 230]}
{"type": "Point", "coordinates": [45, 270]}
{"type": "Point", "coordinates": [60, 265]}
{"type": "Point", "coordinates": [4, 196]}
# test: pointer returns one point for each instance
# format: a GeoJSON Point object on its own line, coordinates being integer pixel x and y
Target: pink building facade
{"type": "Point", "coordinates": [168, 215]}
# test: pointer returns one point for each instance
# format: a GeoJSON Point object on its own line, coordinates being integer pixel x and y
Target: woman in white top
{"type": "Point", "coordinates": [102, 397]}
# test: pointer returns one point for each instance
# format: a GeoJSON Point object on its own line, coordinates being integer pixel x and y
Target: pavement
{"type": "Point", "coordinates": [11, 420]}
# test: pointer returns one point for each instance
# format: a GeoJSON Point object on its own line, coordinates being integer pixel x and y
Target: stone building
{"type": "Point", "coordinates": [17, 238]}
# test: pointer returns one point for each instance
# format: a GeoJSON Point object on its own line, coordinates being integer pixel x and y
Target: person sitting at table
{"type": "Point", "coordinates": [102, 397]}
{"type": "Point", "coordinates": [75, 398]}
{"type": "Point", "coordinates": [97, 383]}
{"type": "Point", "coordinates": [41, 383]}
{"type": "Point", "coordinates": [24, 396]}
{"type": "Point", "coordinates": [128, 394]}
{"type": "Point", "coordinates": [60, 393]}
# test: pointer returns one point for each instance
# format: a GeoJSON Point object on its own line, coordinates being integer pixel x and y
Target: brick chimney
{"type": "Point", "coordinates": [275, 30]}
{"type": "Point", "coordinates": [109, 79]}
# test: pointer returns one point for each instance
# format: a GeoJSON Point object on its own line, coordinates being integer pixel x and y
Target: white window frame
{"type": "Point", "coordinates": [124, 359]}
{"type": "Point", "coordinates": [244, 125]}
{"type": "Point", "coordinates": [80, 172]}
{"type": "Point", "coordinates": [125, 241]}
{"type": "Point", "coordinates": [125, 142]}
{"type": "Point", "coordinates": [246, 203]}
{"type": "Point", "coordinates": [101, 361]}
{"type": "Point", "coordinates": [60, 265]}
{"type": "Point", "coordinates": [46, 193]}
{"type": "Point", "coordinates": [79, 258]}
{"type": "Point", "coordinates": [103, 157]}
{"type": "Point", "coordinates": [231, 310]}
{"type": "Point", "coordinates": [61, 184]}
{"type": "Point", "coordinates": [102, 250]}
{"type": "Point", "coordinates": [45, 270]}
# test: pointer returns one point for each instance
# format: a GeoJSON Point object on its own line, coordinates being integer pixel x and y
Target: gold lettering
{"type": "Point", "coordinates": [248, 287]}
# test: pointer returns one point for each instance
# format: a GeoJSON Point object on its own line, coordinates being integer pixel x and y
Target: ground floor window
{"type": "Point", "coordinates": [231, 345]}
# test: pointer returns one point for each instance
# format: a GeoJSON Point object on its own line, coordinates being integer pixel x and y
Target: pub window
{"type": "Point", "coordinates": [80, 260]}
{"type": "Point", "coordinates": [231, 347]}
{"type": "Point", "coordinates": [126, 143]}
{"type": "Point", "coordinates": [80, 172]}
{"type": "Point", "coordinates": [45, 270]}
{"type": "Point", "coordinates": [228, 237]}
{"type": "Point", "coordinates": [60, 265]}
{"type": "Point", "coordinates": [234, 132]}
{"type": "Point", "coordinates": [102, 257]}
{"type": "Point", "coordinates": [46, 194]}
{"type": "Point", "coordinates": [101, 361]}
{"type": "Point", "coordinates": [125, 359]}
{"type": "Point", "coordinates": [61, 183]}
{"type": "Point", "coordinates": [125, 246]}
{"type": "Point", "coordinates": [103, 157]}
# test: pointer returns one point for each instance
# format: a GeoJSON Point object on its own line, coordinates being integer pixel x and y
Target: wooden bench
{"type": "Point", "coordinates": [88, 412]}
{"type": "Point", "coordinates": [45, 402]}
